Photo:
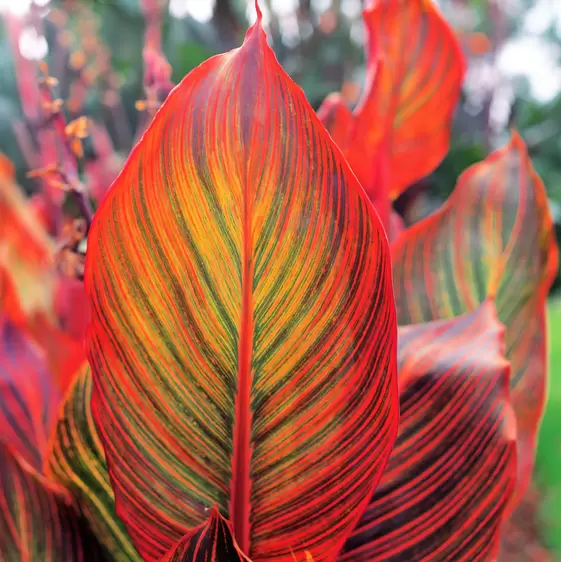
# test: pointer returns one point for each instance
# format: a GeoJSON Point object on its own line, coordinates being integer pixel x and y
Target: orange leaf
{"type": "Point", "coordinates": [415, 69]}
{"type": "Point", "coordinates": [26, 253]}
{"type": "Point", "coordinates": [243, 337]}
{"type": "Point", "coordinates": [28, 282]}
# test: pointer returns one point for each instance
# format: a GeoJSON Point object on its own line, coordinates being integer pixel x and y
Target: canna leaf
{"type": "Point", "coordinates": [28, 281]}
{"type": "Point", "coordinates": [415, 68]}
{"type": "Point", "coordinates": [39, 521]}
{"type": "Point", "coordinates": [77, 463]}
{"type": "Point", "coordinates": [212, 541]}
{"type": "Point", "coordinates": [493, 237]}
{"type": "Point", "coordinates": [450, 477]}
{"type": "Point", "coordinates": [243, 338]}
{"type": "Point", "coordinates": [28, 399]}
{"type": "Point", "coordinates": [414, 90]}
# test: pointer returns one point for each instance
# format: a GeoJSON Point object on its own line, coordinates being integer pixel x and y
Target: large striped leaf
{"type": "Point", "coordinates": [415, 68]}
{"type": "Point", "coordinates": [493, 237]}
{"type": "Point", "coordinates": [447, 485]}
{"type": "Point", "coordinates": [28, 398]}
{"type": "Point", "coordinates": [39, 522]}
{"type": "Point", "coordinates": [243, 337]}
{"type": "Point", "coordinates": [213, 541]}
{"type": "Point", "coordinates": [76, 462]}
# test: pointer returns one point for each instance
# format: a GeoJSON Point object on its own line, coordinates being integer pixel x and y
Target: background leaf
{"type": "Point", "coordinates": [28, 282]}
{"type": "Point", "coordinates": [493, 237]}
{"type": "Point", "coordinates": [414, 75]}
{"type": "Point", "coordinates": [415, 69]}
{"type": "Point", "coordinates": [452, 472]}
{"type": "Point", "coordinates": [28, 398]}
{"type": "Point", "coordinates": [37, 520]}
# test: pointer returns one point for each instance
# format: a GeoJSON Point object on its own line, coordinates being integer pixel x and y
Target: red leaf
{"type": "Point", "coordinates": [28, 280]}
{"type": "Point", "coordinates": [447, 485]}
{"type": "Point", "coordinates": [493, 237]}
{"type": "Point", "coordinates": [415, 68]}
{"type": "Point", "coordinates": [243, 338]}
{"type": "Point", "coordinates": [28, 398]}
{"type": "Point", "coordinates": [25, 254]}
{"type": "Point", "coordinates": [212, 541]}
{"type": "Point", "coordinates": [38, 522]}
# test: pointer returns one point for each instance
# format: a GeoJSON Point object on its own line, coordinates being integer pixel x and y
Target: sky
{"type": "Point", "coordinates": [528, 55]}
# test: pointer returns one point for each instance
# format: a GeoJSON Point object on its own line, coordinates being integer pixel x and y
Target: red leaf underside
{"type": "Point", "coordinates": [28, 398]}
{"type": "Point", "coordinates": [447, 486]}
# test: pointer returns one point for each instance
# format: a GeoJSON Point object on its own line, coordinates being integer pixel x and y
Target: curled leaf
{"type": "Point", "coordinates": [415, 68]}
{"type": "Point", "coordinates": [494, 238]}
{"type": "Point", "coordinates": [243, 337]}
{"type": "Point", "coordinates": [447, 486]}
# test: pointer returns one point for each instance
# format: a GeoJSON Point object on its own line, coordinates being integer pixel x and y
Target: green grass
{"type": "Point", "coordinates": [548, 460]}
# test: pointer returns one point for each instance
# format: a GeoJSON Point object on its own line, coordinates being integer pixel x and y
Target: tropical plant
{"type": "Point", "coordinates": [245, 391]}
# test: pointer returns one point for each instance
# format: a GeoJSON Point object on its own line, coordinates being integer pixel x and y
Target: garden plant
{"type": "Point", "coordinates": [236, 350]}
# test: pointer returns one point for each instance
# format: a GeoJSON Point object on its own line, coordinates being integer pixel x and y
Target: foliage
{"type": "Point", "coordinates": [275, 368]}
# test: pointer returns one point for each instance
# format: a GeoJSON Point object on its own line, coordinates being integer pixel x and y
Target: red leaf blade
{"type": "Point", "coordinates": [450, 477]}
{"type": "Point", "coordinates": [28, 398]}
{"type": "Point", "coordinates": [243, 334]}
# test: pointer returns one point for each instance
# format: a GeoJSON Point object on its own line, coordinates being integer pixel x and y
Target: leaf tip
{"type": "Point", "coordinates": [257, 28]}
{"type": "Point", "coordinates": [259, 13]}
{"type": "Point", "coordinates": [516, 141]}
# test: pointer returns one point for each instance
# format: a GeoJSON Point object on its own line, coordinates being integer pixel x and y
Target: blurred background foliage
{"type": "Point", "coordinates": [513, 48]}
